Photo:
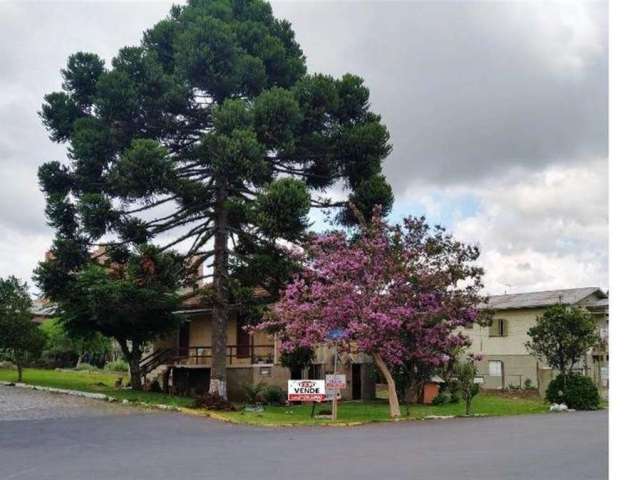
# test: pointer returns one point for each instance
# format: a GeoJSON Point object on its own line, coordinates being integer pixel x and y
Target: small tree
{"type": "Point", "coordinates": [397, 293]}
{"type": "Point", "coordinates": [131, 301]}
{"type": "Point", "coordinates": [62, 348]}
{"type": "Point", "coordinates": [20, 338]}
{"type": "Point", "coordinates": [465, 372]}
{"type": "Point", "coordinates": [561, 336]}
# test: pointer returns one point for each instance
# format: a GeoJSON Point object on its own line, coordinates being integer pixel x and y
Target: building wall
{"type": "Point", "coordinates": [517, 364]}
{"type": "Point", "coordinates": [518, 324]}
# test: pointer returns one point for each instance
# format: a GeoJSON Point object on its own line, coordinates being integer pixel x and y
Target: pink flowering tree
{"type": "Point", "coordinates": [397, 293]}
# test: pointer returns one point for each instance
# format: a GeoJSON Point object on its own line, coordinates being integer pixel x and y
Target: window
{"type": "Point", "coordinates": [315, 372]}
{"type": "Point", "coordinates": [498, 328]}
{"type": "Point", "coordinates": [495, 368]}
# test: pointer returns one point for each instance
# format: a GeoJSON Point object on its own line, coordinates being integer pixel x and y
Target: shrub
{"type": "Point", "coordinates": [575, 391]}
{"type": "Point", "coordinates": [86, 367]}
{"type": "Point", "coordinates": [7, 365]}
{"type": "Point", "coordinates": [253, 392]}
{"type": "Point", "coordinates": [528, 384]}
{"type": "Point", "coordinates": [214, 402]}
{"type": "Point", "coordinates": [117, 366]}
{"type": "Point", "coordinates": [274, 395]}
{"type": "Point", "coordinates": [441, 398]}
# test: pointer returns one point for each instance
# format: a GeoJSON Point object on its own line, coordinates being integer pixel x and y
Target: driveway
{"type": "Point", "coordinates": [59, 437]}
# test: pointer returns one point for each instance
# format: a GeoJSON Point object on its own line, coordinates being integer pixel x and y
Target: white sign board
{"type": "Point", "coordinates": [331, 393]}
{"type": "Point", "coordinates": [336, 382]}
{"type": "Point", "coordinates": [478, 380]}
{"type": "Point", "coordinates": [306, 390]}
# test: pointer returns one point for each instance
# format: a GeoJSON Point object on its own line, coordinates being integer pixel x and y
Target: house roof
{"type": "Point", "coordinates": [547, 298]}
{"type": "Point", "coordinates": [41, 309]}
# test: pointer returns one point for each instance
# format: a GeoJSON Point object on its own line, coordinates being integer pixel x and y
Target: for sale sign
{"type": "Point", "coordinates": [336, 382]}
{"type": "Point", "coordinates": [306, 390]}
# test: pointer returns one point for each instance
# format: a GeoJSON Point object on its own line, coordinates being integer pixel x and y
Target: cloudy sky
{"type": "Point", "coordinates": [497, 111]}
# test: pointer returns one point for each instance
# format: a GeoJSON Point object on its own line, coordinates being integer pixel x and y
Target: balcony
{"type": "Point", "coordinates": [237, 355]}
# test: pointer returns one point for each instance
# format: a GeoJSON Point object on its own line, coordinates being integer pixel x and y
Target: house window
{"type": "Point", "coordinates": [495, 368]}
{"type": "Point", "coordinates": [315, 372]}
{"type": "Point", "coordinates": [498, 328]}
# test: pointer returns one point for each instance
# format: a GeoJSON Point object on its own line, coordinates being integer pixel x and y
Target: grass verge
{"type": "Point", "coordinates": [349, 413]}
{"type": "Point", "coordinates": [92, 381]}
{"type": "Point", "coordinates": [378, 411]}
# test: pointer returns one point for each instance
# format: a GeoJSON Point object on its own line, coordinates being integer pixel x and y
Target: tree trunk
{"type": "Point", "coordinates": [134, 368]}
{"type": "Point", "coordinates": [394, 405]}
{"type": "Point", "coordinates": [133, 358]}
{"type": "Point", "coordinates": [218, 384]}
{"type": "Point", "coordinates": [19, 367]}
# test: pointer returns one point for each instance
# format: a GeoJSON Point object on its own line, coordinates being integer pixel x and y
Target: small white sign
{"type": "Point", "coordinates": [336, 382]}
{"type": "Point", "coordinates": [478, 380]}
{"type": "Point", "coordinates": [306, 390]}
{"type": "Point", "coordinates": [331, 393]}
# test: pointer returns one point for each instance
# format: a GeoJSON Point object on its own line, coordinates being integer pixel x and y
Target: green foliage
{"type": "Point", "coordinates": [20, 339]}
{"type": "Point", "coordinates": [465, 372]}
{"type": "Point", "coordinates": [282, 209]}
{"type": "Point", "coordinates": [575, 391]}
{"type": "Point", "coordinates": [117, 366]}
{"type": "Point", "coordinates": [253, 392]}
{"type": "Point", "coordinates": [62, 348]}
{"type": "Point", "coordinates": [562, 335]}
{"type": "Point", "coordinates": [274, 395]}
{"type": "Point", "coordinates": [298, 358]}
{"type": "Point", "coordinates": [441, 398]}
{"type": "Point", "coordinates": [132, 302]}
{"type": "Point", "coordinates": [208, 131]}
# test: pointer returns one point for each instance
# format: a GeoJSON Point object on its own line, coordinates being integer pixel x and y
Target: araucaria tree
{"type": "Point", "coordinates": [212, 133]}
{"type": "Point", "coordinates": [396, 293]}
{"type": "Point", "coordinates": [562, 336]}
{"type": "Point", "coordinates": [130, 297]}
{"type": "Point", "coordinates": [20, 338]}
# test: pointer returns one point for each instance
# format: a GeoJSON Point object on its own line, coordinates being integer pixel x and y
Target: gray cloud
{"type": "Point", "coordinates": [470, 89]}
{"type": "Point", "coordinates": [478, 97]}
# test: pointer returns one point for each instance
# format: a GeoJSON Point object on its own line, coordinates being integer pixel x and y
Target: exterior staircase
{"type": "Point", "coordinates": [154, 365]}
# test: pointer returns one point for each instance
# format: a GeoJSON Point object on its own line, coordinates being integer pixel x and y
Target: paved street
{"type": "Point", "coordinates": [46, 436]}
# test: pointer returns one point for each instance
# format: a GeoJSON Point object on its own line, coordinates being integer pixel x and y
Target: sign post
{"type": "Point", "coordinates": [335, 335]}
{"type": "Point", "coordinates": [334, 383]}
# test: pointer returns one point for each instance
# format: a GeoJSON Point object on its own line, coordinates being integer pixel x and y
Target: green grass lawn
{"type": "Point", "coordinates": [92, 381]}
{"type": "Point", "coordinates": [349, 412]}
{"type": "Point", "coordinates": [378, 411]}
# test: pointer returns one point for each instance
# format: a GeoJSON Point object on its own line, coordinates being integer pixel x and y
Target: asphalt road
{"type": "Point", "coordinates": [46, 436]}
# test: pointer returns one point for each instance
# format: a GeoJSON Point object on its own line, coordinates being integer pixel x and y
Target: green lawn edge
{"type": "Point", "coordinates": [349, 414]}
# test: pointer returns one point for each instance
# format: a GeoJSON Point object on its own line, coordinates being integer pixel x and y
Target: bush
{"type": "Point", "coordinates": [7, 365]}
{"type": "Point", "coordinates": [253, 392]}
{"type": "Point", "coordinates": [214, 402]}
{"type": "Point", "coordinates": [274, 395]}
{"type": "Point", "coordinates": [117, 366]}
{"type": "Point", "coordinates": [86, 367]}
{"type": "Point", "coordinates": [575, 391]}
{"type": "Point", "coordinates": [441, 398]}
{"type": "Point", "coordinates": [528, 384]}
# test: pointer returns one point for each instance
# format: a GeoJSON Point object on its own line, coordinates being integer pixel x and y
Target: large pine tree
{"type": "Point", "coordinates": [210, 133]}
